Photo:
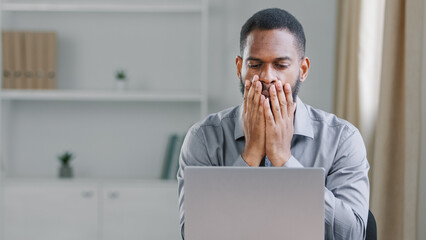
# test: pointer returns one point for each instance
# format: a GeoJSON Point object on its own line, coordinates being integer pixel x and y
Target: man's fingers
{"type": "Point", "coordinates": [294, 109]}
{"type": "Point", "coordinates": [269, 117]}
{"type": "Point", "coordinates": [261, 115]}
{"type": "Point", "coordinates": [289, 98]}
{"type": "Point", "coordinates": [247, 85]}
{"type": "Point", "coordinates": [257, 94]}
{"type": "Point", "coordinates": [275, 103]}
{"type": "Point", "coordinates": [250, 96]}
{"type": "Point", "coordinates": [281, 98]}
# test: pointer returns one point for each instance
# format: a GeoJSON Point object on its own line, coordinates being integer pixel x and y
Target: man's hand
{"type": "Point", "coordinates": [279, 123]}
{"type": "Point", "coordinates": [253, 122]}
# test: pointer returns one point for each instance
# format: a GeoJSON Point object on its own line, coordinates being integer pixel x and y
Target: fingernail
{"type": "Point", "coordinates": [273, 88]}
{"type": "Point", "coordinates": [247, 82]}
{"type": "Point", "coordinates": [287, 86]}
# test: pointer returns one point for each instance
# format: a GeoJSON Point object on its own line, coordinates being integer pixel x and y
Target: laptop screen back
{"type": "Point", "coordinates": [254, 203]}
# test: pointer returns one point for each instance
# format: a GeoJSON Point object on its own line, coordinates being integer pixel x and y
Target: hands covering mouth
{"type": "Point", "coordinates": [268, 114]}
{"type": "Point", "coordinates": [265, 90]}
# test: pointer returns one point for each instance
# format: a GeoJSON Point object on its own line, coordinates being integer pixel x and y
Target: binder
{"type": "Point", "coordinates": [171, 145]}
{"type": "Point", "coordinates": [51, 60]}
{"type": "Point", "coordinates": [30, 70]}
{"type": "Point", "coordinates": [174, 166]}
{"type": "Point", "coordinates": [18, 74]}
{"type": "Point", "coordinates": [41, 60]}
{"type": "Point", "coordinates": [7, 60]}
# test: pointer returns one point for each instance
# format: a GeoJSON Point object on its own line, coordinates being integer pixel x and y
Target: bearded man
{"type": "Point", "coordinates": [274, 128]}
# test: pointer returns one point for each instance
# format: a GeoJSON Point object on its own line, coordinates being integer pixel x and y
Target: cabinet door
{"type": "Point", "coordinates": [140, 211]}
{"type": "Point", "coordinates": [50, 211]}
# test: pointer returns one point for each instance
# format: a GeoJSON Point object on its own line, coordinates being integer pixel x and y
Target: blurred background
{"type": "Point", "coordinates": [97, 97]}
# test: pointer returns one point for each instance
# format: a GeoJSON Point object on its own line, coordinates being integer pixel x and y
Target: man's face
{"type": "Point", "coordinates": [273, 56]}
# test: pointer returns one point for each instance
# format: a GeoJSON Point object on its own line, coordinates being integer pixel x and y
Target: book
{"type": "Point", "coordinates": [169, 155]}
{"type": "Point", "coordinates": [18, 75]}
{"type": "Point", "coordinates": [174, 166]}
{"type": "Point", "coordinates": [51, 60]}
{"type": "Point", "coordinates": [7, 60]}
{"type": "Point", "coordinates": [29, 53]}
{"type": "Point", "coordinates": [41, 60]}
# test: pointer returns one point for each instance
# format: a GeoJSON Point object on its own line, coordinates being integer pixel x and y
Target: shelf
{"type": "Point", "coordinates": [60, 7]}
{"type": "Point", "coordinates": [78, 180]}
{"type": "Point", "coordinates": [91, 95]}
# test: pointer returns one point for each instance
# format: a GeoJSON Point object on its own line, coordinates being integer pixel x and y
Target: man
{"type": "Point", "coordinates": [274, 128]}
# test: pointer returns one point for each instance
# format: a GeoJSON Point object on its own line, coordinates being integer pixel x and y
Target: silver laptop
{"type": "Point", "coordinates": [254, 203]}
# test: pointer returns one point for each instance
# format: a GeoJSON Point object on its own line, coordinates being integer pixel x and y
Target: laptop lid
{"type": "Point", "coordinates": [253, 203]}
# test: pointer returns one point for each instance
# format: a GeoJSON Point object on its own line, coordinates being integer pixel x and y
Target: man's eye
{"type": "Point", "coordinates": [282, 66]}
{"type": "Point", "coordinates": [254, 66]}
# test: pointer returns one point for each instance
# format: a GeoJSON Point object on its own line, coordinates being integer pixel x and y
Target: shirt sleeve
{"type": "Point", "coordinates": [346, 192]}
{"type": "Point", "coordinates": [193, 153]}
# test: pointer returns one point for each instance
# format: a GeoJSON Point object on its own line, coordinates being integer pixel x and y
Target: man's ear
{"type": "Point", "coordinates": [239, 65]}
{"type": "Point", "coordinates": [304, 68]}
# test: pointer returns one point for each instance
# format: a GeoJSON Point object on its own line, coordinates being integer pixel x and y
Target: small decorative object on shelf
{"type": "Point", "coordinates": [121, 80]}
{"type": "Point", "coordinates": [65, 171]}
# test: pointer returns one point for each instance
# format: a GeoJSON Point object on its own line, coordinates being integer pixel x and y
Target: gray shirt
{"type": "Point", "coordinates": [320, 140]}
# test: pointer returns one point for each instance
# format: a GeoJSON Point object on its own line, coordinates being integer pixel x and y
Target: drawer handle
{"type": "Point", "coordinates": [87, 194]}
{"type": "Point", "coordinates": [113, 195]}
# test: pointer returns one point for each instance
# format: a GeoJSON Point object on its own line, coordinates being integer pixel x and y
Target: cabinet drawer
{"type": "Point", "coordinates": [140, 211]}
{"type": "Point", "coordinates": [50, 211]}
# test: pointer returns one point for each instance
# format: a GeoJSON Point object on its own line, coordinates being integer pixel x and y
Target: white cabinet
{"type": "Point", "coordinates": [140, 211]}
{"type": "Point", "coordinates": [50, 211]}
{"type": "Point", "coordinates": [90, 210]}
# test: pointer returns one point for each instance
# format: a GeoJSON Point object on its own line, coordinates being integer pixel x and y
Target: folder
{"type": "Point", "coordinates": [7, 60]}
{"type": "Point", "coordinates": [51, 59]}
{"type": "Point", "coordinates": [18, 74]}
{"type": "Point", "coordinates": [169, 155]}
{"type": "Point", "coordinates": [30, 70]}
{"type": "Point", "coordinates": [174, 166]}
{"type": "Point", "coordinates": [41, 60]}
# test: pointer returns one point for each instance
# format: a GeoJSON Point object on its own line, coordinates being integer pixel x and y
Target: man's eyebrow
{"type": "Point", "coordinates": [253, 59]}
{"type": "Point", "coordinates": [277, 59]}
{"type": "Point", "coordinates": [283, 58]}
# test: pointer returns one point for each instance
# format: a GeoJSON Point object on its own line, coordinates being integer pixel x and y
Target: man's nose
{"type": "Point", "coordinates": [267, 75]}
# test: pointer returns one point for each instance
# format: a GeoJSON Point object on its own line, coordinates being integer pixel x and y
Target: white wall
{"type": "Point", "coordinates": [111, 145]}
{"type": "Point", "coordinates": [226, 18]}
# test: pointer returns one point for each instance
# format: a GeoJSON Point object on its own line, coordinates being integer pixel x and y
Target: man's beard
{"type": "Point", "coordinates": [294, 89]}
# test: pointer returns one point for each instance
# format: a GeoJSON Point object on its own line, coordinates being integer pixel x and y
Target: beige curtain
{"type": "Point", "coordinates": [391, 128]}
{"type": "Point", "coordinates": [397, 147]}
{"type": "Point", "coordinates": [347, 75]}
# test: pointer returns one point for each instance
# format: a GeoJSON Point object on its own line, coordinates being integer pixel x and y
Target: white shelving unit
{"type": "Point", "coordinates": [71, 95]}
{"type": "Point", "coordinates": [138, 8]}
{"type": "Point", "coordinates": [119, 137]}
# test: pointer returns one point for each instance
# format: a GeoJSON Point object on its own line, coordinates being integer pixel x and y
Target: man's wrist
{"type": "Point", "coordinates": [251, 159]}
{"type": "Point", "coordinates": [280, 162]}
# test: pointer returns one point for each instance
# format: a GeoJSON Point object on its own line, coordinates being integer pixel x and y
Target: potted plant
{"type": "Point", "coordinates": [121, 79]}
{"type": "Point", "coordinates": [65, 170]}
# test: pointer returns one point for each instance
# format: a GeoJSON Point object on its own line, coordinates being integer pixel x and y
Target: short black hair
{"type": "Point", "coordinates": [274, 18]}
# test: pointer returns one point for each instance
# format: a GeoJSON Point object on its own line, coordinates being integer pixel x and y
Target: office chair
{"type": "Point", "coordinates": [371, 233]}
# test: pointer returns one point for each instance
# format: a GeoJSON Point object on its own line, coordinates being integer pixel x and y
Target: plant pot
{"type": "Point", "coordinates": [121, 85]}
{"type": "Point", "coordinates": [65, 172]}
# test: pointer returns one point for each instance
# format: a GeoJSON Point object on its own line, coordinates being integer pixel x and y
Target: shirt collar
{"type": "Point", "coordinates": [302, 121]}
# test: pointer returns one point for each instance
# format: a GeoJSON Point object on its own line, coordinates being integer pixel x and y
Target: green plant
{"type": "Point", "coordinates": [65, 158]}
{"type": "Point", "coordinates": [120, 75]}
